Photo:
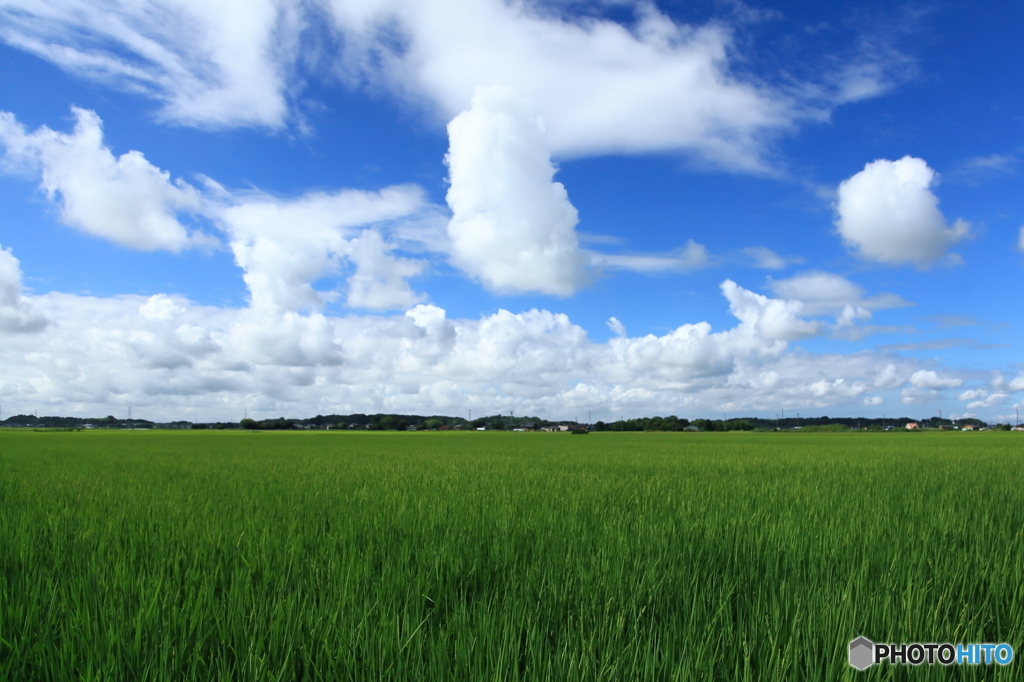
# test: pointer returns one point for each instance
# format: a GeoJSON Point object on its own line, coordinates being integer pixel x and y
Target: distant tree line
{"type": "Point", "coordinates": [498, 422]}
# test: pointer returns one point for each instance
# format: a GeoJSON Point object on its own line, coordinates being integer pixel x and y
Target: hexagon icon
{"type": "Point", "coordinates": [862, 653]}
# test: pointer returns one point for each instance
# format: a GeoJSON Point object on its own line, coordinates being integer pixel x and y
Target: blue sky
{"type": "Point", "coordinates": [628, 208]}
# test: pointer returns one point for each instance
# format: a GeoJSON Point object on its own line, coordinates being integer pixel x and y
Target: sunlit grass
{"type": "Point", "coordinates": [502, 556]}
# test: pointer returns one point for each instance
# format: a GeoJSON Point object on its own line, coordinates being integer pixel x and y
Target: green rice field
{"type": "Point", "coordinates": [504, 556]}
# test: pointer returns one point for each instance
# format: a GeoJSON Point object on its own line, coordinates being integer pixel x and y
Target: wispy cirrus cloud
{"type": "Point", "coordinates": [643, 84]}
{"type": "Point", "coordinates": [692, 256]}
{"type": "Point", "coordinates": [767, 259]}
{"type": "Point", "coordinates": [940, 344]}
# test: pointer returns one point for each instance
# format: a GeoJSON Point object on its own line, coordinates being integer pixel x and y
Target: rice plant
{"type": "Point", "coordinates": [503, 556]}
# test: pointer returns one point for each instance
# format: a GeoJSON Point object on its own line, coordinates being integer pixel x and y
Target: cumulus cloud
{"type": "Point", "coordinates": [771, 318]}
{"type": "Point", "coordinates": [989, 402]}
{"type": "Point", "coordinates": [210, 62]}
{"type": "Point", "coordinates": [889, 377]}
{"type": "Point", "coordinates": [826, 293]}
{"type": "Point", "coordinates": [285, 246]}
{"type": "Point", "coordinates": [1020, 239]}
{"type": "Point", "coordinates": [16, 314]}
{"type": "Point", "coordinates": [125, 199]}
{"type": "Point", "coordinates": [927, 378]}
{"type": "Point", "coordinates": [888, 213]}
{"type": "Point", "coordinates": [380, 281]}
{"type": "Point", "coordinates": [972, 394]}
{"type": "Point", "coordinates": [616, 326]}
{"type": "Point", "coordinates": [160, 307]}
{"type": "Point", "coordinates": [180, 359]}
{"type": "Point", "coordinates": [512, 226]}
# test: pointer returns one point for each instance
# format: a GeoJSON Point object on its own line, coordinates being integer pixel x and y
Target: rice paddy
{"type": "Point", "coordinates": [503, 556]}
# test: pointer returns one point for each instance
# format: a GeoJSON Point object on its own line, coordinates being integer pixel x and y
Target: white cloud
{"type": "Point", "coordinates": [767, 259]}
{"type": "Point", "coordinates": [989, 402]}
{"type": "Point", "coordinates": [616, 326]}
{"type": "Point", "coordinates": [1000, 163]}
{"type": "Point", "coordinates": [380, 282]}
{"type": "Point", "coordinates": [824, 293]}
{"type": "Point", "coordinates": [972, 394]}
{"type": "Point", "coordinates": [1020, 239]}
{"type": "Point", "coordinates": [926, 378]}
{"type": "Point", "coordinates": [873, 400]}
{"type": "Point", "coordinates": [210, 62]}
{"type": "Point", "coordinates": [512, 226]}
{"type": "Point", "coordinates": [646, 84]}
{"type": "Point", "coordinates": [124, 199]}
{"type": "Point", "coordinates": [887, 213]}
{"type": "Point", "coordinates": [771, 318]}
{"type": "Point", "coordinates": [600, 86]}
{"type": "Point", "coordinates": [16, 314]}
{"type": "Point", "coordinates": [160, 307]}
{"type": "Point", "coordinates": [888, 377]}
{"type": "Point", "coordinates": [979, 169]}
{"type": "Point", "coordinates": [870, 74]}
{"type": "Point", "coordinates": [285, 246]}
{"type": "Point", "coordinates": [1017, 384]}
{"type": "Point", "coordinates": [179, 359]}
{"type": "Point", "coordinates": [687, 258]}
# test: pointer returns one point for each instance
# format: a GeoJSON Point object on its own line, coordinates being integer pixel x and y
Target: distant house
{"type": "Point", "coordinates": [912, 425]}
{"type": "Point", "coordinates": [968, 427]}
{"type": "Point", "coordinates": [529, 426]}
